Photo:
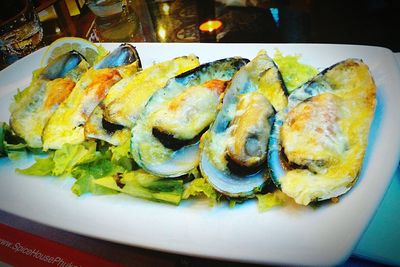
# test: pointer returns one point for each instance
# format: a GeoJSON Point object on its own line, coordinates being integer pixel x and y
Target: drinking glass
{"type": "Point", "coordinates": [115, 20]}
{"type": "Point", "coordinates": [20, 30]}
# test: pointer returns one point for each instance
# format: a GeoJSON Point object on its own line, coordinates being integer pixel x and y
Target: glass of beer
{"type": "Point", "coordinates": [115, 20]}
{"type": "Point", "coordinates": [20, 30]}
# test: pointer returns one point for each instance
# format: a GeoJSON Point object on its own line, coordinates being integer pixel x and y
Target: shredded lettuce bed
{"type": "Point", "coordinates": [11, 146]}
{"type": "Point", "coordinates": [141, 184]}
{"type": "Point", "coordinates": [199, 187]}
{"type": "Point", "coordinates": [101, 169]}
{"type": "Point", "coordinates": [293, 72]}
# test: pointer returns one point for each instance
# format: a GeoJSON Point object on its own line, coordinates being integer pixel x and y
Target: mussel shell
{"type": "Point", "coordinates": [60, 66]}
{"type": "Point", "coordinates": [231, 184]}
{"type": "Point", "coordinates": [175, 162]}
{"type": "Point", "coordinates": [125, 54]}
{"type": "Point", "coordinates": [351, 80]}
{"type": "Point", "coordinates": [259, 75]}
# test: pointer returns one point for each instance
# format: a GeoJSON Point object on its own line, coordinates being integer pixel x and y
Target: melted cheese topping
{"type": "Point", "coordinates": [311, 135]}
{"type": "Point", "coordinates": [215, 147]}
{"type": "Point", "coordinates": [271, 87]}
{"type": "Point", "coordinates": [33, 111]}
{"type": "Point", "coordinates": [354, 86]}
{"type": "Point", "coordinates": [60, 90]}
{"type": "Point", "coordinates": [151, 149]}
{"type": "Point", "coordinates": [265, 76]}
{"type": "Point", "coordinates": [189, 113]}
{"type": "Point", "coordinates": [66, 124]}
{"type": "Point", "coordinates": [125, 101]}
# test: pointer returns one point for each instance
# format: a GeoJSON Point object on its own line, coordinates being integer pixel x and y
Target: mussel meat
{"type": "Point", "coordinates": [235, 148]}
{"type": "Point", "coordinates": [318, 143]}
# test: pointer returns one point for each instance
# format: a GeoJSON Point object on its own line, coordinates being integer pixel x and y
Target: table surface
{"type": "Point", "coordinates": [370, 22]}
{"type": "Point", "coordinates": [129, 255]}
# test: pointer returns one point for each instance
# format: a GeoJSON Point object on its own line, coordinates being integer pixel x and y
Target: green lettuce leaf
{"type": "Point", "coordinates": [121, 155]}
{"type": "Point", "coordinates": [66, 158]}
{"type": "Point", "coordinates": [16, 155]}
{"type": "Point", "coordinates": [87, 173]}
{"type": "Point", "coordinates": [63, 161]}
{"type": "Point", "coordinates": [144, 185]}
{"type": "Point", "coordinates": [269, 200]}
{"type": "Point", "coordinates": [41, 167]}
{"type": "Point", "coordinates": [200, 187]}
{"type": "Point", "coordinates": [10, 144]}
{"type": "Point", "coordinates": [293, 72]}
{"type": "Point", "coordinates": [85, 162]}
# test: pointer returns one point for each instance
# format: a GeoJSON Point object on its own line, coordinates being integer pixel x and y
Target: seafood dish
{"type": "Point", "coordinates": [229, 124]}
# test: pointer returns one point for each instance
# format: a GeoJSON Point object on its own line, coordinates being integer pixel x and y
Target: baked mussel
{"type": "Point", "coordinates": [113, 119]}
{"type": "Point", "coordinates": [50, 86]}
{"type": "Point", "coordinates": [165, 138]}
{"type": "Point", "coordinates": [234, 150]}
{"type": "Point", "coordinates": [67, 123]}
{"type": "Point", "coordinates": [318, 143]}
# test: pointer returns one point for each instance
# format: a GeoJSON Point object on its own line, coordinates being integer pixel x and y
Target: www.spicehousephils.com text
{"type": "Point", "coordinates": [36, 253]}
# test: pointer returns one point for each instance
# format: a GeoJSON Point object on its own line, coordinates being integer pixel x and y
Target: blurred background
{"type": "Point", "coordinates": [370, 22]}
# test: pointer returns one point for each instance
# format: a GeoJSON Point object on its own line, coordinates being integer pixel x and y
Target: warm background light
{"type": "Point", "coordinates": [210, 26]}
{"type": "Point", "coordinates": [165, 8]}
{"type": "Point", "coordinates": [162, 33]}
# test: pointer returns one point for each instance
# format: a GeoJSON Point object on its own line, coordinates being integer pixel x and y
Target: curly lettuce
{"type": "Point", "coordinates": [144, 185]}
{"type": "Point", "coordinates": [199, 187]}
{"type": "Point", "coordinates": [269, 200]}
{"type": "Point", "coordinates": [84, 162]}
{"type": "Point", "coordinates": [11, 146]}
{"type": "Point", "coordinates": [293, 72]}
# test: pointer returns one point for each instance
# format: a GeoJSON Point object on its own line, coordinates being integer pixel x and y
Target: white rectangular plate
{"type": "Point", "coordinates": [323, 236]}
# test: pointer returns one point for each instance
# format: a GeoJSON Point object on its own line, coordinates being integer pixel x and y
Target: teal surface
{"type": "Point", "coordinates": [381, 240]}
